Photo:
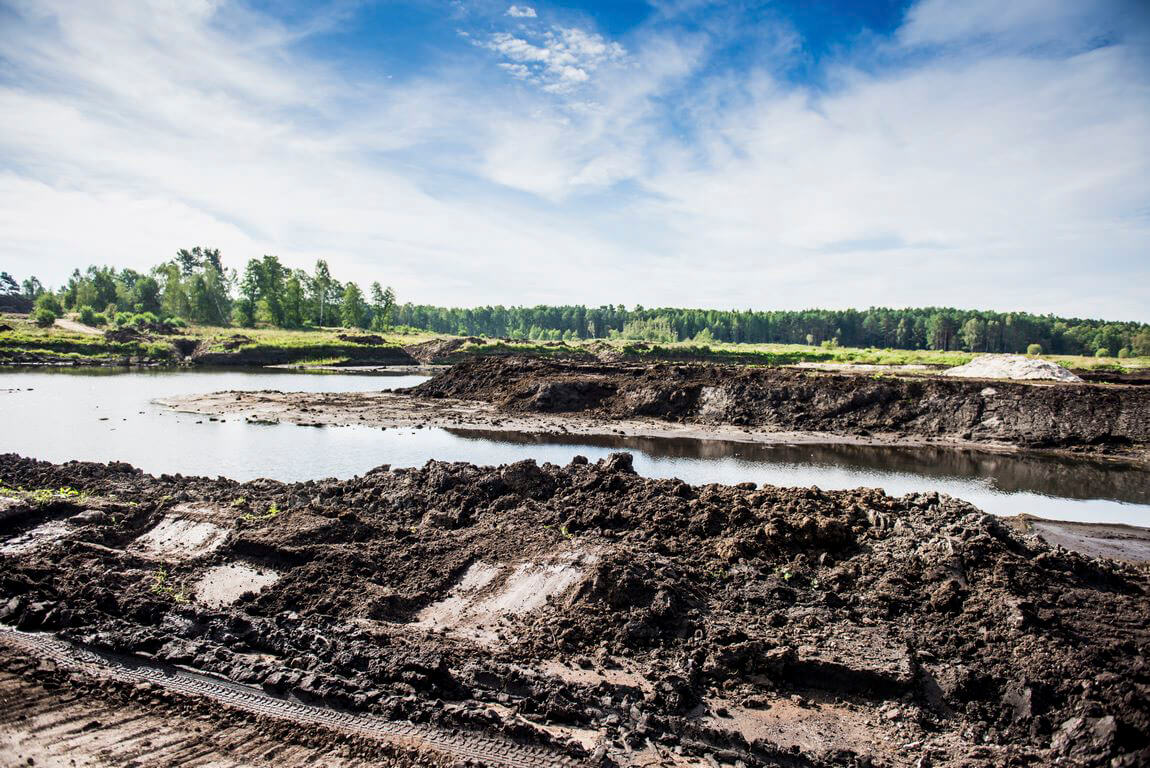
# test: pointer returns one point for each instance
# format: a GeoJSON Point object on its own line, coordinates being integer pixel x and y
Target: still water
{"type": "Point", "coordinates": [104, 415]}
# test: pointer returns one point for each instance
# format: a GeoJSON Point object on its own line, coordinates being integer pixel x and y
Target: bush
{"type": "Point", "coordinates": [123, 318]}
{"type": "Point", "coordinates": [1102, 352]}
{"type": "Point", "coordinates": [50, 302]}
{"type": "Point", "coordinates": [177, 322]}
{"type": "Point", "coordinates": [1034, 350]}
{"type": "Point", "coordinates": [43, 317]}
{"type": "Point", "coordinates": [1124, 353]}
{"type": "Point", "coordinates": [89, 316]}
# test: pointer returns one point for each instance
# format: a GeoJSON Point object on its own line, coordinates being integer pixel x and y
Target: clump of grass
{"type": "Point", "coordinates": [43, 495]}
{"type": "Point", "coordinates": [161, 585]}
{"type": "Point", "coordinates": [251, 517]}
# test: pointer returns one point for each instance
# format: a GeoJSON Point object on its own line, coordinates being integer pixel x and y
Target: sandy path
{"type": "Point", "coordinates": [72, 325]}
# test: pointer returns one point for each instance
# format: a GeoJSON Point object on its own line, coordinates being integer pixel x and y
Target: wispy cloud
{"type": "Point", "coordinates": [521, 12]}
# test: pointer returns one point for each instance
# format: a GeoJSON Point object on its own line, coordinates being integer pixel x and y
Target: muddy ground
{"type": "Point", "coordinates": [730, 403]}
{"type": "Point", "coordinates": [579, 614]}
{"type": "Point", "coordinates": [1071, 417]}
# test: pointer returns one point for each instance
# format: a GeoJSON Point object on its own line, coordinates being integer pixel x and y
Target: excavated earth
{"type": "Point", "coordinates": [1093, 418]}
{"type": "Point", "coordinates": [539, 615]}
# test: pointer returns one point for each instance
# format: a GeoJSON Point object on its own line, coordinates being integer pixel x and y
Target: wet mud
{"type": "Point", "coordinates": [588, 615]}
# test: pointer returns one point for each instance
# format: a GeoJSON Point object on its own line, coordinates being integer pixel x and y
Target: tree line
{"type": "Point", "coordinates": [939, 328]}
{"type": "Point", "coordinates": [197, 287]}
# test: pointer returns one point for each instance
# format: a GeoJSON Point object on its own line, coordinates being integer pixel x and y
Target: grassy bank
{"type": "Point", "coordinates": [26, 343]}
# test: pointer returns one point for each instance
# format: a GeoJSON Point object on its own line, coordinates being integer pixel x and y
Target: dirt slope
{"type": "Point", "coordinates": [1082, 417]}
{"type": "Point", "coordinates": [599, 614]}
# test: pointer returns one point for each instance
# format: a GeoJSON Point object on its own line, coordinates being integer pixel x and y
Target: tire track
{"type": "Point", "coordinates": [489, 750]}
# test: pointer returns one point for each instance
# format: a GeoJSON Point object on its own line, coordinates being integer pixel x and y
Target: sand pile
{"type": "Point", "coordinates": [1011, 367]}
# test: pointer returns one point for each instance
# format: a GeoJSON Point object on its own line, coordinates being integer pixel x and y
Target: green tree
{"type": "Point", "coordinates": [32, 287]}
{"type": "Point", "coordinates": [974, 334]}
{"type": "Point", "coordinates": [353, 310]}
{"type": "Point", "coordinates": [321, 290]}
{"type": "Point", "coordinates": [1140, 344]}
{"type": "Point", "coordinates": [8, 285]}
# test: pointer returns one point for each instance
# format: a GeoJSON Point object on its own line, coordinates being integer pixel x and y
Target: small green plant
{"type": "Point", "coordinates": [1102, 352]}
{"type": "Point", "coordinates": [161, 586]}
{"type": "Point", "coordinates": [239, 501]}
{"type": "Point", "coordinates": [43, 495]}
{"type": "Point", "coordinates": [251, 517]}
{"type": "Point", "coordinates": [1034, 350]}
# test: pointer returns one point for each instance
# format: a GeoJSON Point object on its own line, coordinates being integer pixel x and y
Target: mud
{"type": "Point", "coordinates": [1103, 419]}
{"type": "Point", "coordinates": [603, 617]}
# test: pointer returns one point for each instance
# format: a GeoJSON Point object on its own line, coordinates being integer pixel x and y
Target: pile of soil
{"type": "Point", "coordinates": [438, 351]}
{"type": "Point", "coordinates": [613, 616]}
{"type": "Point", "coordinates": [365, 338]}
{"type": "Point", "coordinates": [1015, 367]}
{"type": "Point", "coordinates": [1081, 417]}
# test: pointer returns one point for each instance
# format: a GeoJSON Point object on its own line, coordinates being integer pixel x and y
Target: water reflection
{"type": "Point", "coordinates": [1006, 473]}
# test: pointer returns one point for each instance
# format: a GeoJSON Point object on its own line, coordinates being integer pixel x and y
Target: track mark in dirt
{"type": "Point", "coordinates": [489, 750]}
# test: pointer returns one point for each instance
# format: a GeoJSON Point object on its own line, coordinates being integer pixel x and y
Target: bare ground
{"type": "Point", "coordinates": [582, 611]}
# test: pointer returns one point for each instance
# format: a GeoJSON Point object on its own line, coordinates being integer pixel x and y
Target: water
{"type": "Point", "coordinates": [104, 415]}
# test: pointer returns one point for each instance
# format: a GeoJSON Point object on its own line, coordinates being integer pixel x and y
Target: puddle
{"type": "Point", "coordinates": [225, 584]}
{"type": "Point", "coordinates": [180, 535]}
{"type": "Point", "coordinates": [486, 596]}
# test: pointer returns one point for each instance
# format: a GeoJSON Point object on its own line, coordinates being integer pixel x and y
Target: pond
{"type": "Point", "coordinates": [105, 414]}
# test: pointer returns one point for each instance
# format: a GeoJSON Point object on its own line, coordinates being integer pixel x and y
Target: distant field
{"type": "Point", "coordinates": [28, 343]}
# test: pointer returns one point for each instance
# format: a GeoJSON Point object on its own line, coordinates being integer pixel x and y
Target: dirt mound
{"type": "Point", "coordinates": [1072, 416]}
{"type": "Point", "coordinates": [603, 613]}
{"type": "Point", "coordinates": [439, 351]}
{"type": "Point", "coordinates": [369, 338]}
{"type": "Point", "coordinates": [1015, 367]}
{"type": "Point", "coordinates": [124, 335]}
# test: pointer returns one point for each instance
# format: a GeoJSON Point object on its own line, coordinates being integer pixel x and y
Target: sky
{"type": "Point", "coordinates": [739, 154]}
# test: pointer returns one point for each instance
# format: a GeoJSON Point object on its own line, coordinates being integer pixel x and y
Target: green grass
{"type": "Point", "coordinates": [322, 346]}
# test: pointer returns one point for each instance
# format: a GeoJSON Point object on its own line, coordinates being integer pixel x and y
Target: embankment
{"type": "Point", "coordinates": [1092, 418]}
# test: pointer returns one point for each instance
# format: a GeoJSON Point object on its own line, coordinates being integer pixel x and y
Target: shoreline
{"type": "Point", "coordinates": [390, 409]}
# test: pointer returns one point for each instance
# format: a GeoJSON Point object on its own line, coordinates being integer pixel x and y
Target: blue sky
{"type": "Point", "coordinates": [665, 152]}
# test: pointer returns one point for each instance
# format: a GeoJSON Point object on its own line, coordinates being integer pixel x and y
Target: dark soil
{"type": "Point", "coordinates": [1077, 417]}
{"type": "Point", "coordinates": [948, 637]}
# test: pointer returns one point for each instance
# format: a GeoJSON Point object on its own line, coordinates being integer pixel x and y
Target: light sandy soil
{"type": "Point", "coordinates": [72, 325]}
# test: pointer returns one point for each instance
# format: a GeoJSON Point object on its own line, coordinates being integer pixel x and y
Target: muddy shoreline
{"type": "Point", "coordinates": [402, 409]}
{"type": "Point", "coordinates": [1095, 419]}
{"type": "Point", "coordinates": [598, 614]}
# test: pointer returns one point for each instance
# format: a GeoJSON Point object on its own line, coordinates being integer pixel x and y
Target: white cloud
{"type": "Point", "coordinates": [521, 12]}
{"type": "Point", "coordinates": [992, 175]}
{"type": "Point", "coordinates": [558, 59]}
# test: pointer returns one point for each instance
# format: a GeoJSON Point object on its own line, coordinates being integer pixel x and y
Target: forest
{"type": "Point", "coordinates": [197, 287]}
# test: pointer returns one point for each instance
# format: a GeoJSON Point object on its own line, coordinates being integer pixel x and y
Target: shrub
{"type": "Point", "coordinates": [177, 322]}
{"type": "Point", "coordinates": [43, 317]}
{"type": "Point", "coordinates": [1124, 353]}
{"type": "Point", "coordinates": [123, 318]}
{"type": "Point", "coordinates": [50, 302]}
{"type": "Point", "coordinates": [1102, 352]}
{"type": "Point", "coordinates": [1034, 350]}
{"type": "Point", "coordinates": [89, 316]}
